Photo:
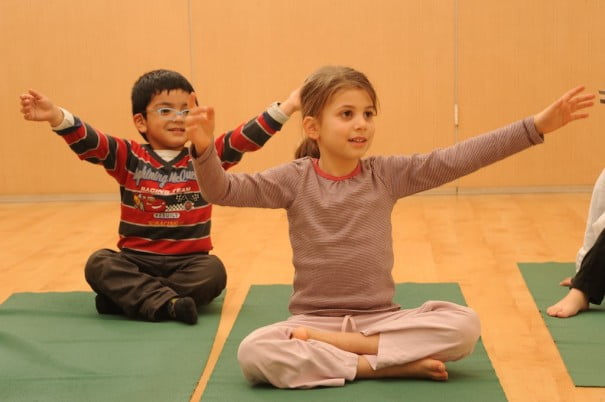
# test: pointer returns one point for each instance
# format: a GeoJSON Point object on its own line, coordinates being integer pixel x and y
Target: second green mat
{"type": "Point", "coordinates": [580, 339]}
{"type": "Point", "coordinates": [469, 378]}
{"type": "Point", "coordinates": [55, 347]}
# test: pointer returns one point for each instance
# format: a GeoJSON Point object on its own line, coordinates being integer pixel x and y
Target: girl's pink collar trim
{"type": "Point", "coordinates": [328, 176]}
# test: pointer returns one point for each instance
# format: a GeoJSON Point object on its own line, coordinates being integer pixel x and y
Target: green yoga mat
{"type": "Point", "coordinates": [580, 339]}
{"type": "Point", "coordinates": [55, 347]}
{"type": "Point", "coordinates": [471, 379]}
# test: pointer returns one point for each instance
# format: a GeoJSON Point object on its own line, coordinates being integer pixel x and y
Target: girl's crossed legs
{"type": "Point", "coordinates": [308, 351]}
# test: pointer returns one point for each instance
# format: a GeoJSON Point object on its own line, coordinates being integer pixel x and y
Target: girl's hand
{"type": "Point", "coordinates": [37, 107]}
{"type": "Point", "coordinates": [563, 111]}
{"type": "Point", "coordinates": [199, 125]}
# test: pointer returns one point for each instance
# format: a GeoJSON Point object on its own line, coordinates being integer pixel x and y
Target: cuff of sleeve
{"type": "Point", "coordinates": [68, 121]}
{"type": "Point", "coordinates": [201, 156]}
{"type": "Point", "coordinates": [535, 137]}
{"type": "Point", "coordinates": [276, 113]}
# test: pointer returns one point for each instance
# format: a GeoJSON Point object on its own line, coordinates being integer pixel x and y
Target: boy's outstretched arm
{"type": "Point", "coordinates": [252, 135]}
{"type": "Point", "coordinates": [37, 107]}
{"type": "Point", "coordinates": [88, 143]}
{"type": "Point", "coordinates": [563, 110]}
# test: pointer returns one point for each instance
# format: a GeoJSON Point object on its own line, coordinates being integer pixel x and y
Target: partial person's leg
{"type": "Point", "coordinates": [119, 278]}
{"type": "Point", "coordinates": [588, 285]}
{"type": "Point", "coordinates": [590, 279]}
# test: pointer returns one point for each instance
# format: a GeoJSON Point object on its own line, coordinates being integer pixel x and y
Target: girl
{"type": "Point", "coordinates": [344, 325]}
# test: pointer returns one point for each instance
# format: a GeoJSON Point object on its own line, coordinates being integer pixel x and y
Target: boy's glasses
{"type": "Point", "coordinates": [168, 113]}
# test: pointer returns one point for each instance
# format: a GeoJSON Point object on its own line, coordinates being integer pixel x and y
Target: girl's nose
{"type": "Point", "coordinates": [360, 123]}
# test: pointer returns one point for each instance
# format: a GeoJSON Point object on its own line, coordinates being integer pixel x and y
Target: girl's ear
{"type": "Point", "coordinates": [310, 126]}
{"type": "Point", "coordinates": [140, 123]}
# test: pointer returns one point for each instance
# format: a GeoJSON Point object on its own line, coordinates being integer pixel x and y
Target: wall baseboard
{"type": "Point", "coordinates": [33, 198]}
{"type": "Point", "coordinates": [524, 190]}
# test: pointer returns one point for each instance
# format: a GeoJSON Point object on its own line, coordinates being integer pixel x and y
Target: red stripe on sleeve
{"type": "Point", "coordinates": [75, 136]}
{"type": "Point", "coordinates": [263, 123]}
{"type": "Point", "coordinates": [219, 145]}
{"type": "Point", "coordinates": [240, 142]}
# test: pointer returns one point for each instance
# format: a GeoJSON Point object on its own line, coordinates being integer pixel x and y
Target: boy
{"type": "Point", "coordinates": [163, 269]}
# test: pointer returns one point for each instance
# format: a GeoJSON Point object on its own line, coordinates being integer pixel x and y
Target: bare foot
{"type": "Point", "coordinates": [300, 333]}
{"type": "Point", "coordinates": [573, 303]}
{"type": "Point", "coordinates": [566, 282]}
{"type": "Point", "coordinates": [427, 368]}
{"type": "Point", "coordinates": [431, 369]}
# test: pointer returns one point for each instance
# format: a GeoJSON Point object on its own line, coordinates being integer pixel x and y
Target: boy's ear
{"type": "Point", "coordinates": [310, 126]}
{"type": "Point", "coordinates": [140, 123]}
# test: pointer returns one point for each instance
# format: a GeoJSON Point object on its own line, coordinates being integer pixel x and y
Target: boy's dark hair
{"type": "Point", "coordinates": [152, 83]}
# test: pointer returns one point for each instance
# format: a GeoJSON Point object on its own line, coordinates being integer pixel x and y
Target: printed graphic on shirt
{"type": "Point", "coordinates": [163, 209]}
{"type": "Point", "coordinates": [150, 203]}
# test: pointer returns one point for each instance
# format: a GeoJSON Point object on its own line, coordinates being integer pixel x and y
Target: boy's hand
{"type": "Point", "coordinates": [292, 104]}
{"type": "Point", "coordinates": [199, 125]}
{"type": "Point", "coordinates": [37, 107]}
{"type": "Point", "coordinates": [563, 110]}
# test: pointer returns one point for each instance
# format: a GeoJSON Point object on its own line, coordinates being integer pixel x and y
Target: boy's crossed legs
{"type": "Point", "coordinates": [154, 287]}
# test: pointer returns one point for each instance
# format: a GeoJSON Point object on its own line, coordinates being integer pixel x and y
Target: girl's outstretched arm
{"type": "Point", "coordinates": [199, 125]}
{"type": "Point", "coordinates": [563, 110]}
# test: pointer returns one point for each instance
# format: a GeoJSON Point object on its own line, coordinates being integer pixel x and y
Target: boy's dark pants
{"type": "Point", "coordinates": [590, 279]}
{"type": "Point", "coordinates": [142, 283]}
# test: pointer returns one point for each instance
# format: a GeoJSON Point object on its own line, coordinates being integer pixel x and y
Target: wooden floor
{"type": "Point", "coordinates": [474, 240]}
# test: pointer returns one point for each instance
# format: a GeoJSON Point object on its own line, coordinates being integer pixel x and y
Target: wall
{"type": "Point", "coordinates": [498, 61]}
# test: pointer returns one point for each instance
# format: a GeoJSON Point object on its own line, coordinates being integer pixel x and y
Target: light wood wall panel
{"type": "Point", "coordinates": [515, 58]}
{"type": "Point", "coordinates": [86, 57]}
{"type": "Point", "coordinates": [506, 59]}
{"type": "Point", "coordinates": [247, 54]}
